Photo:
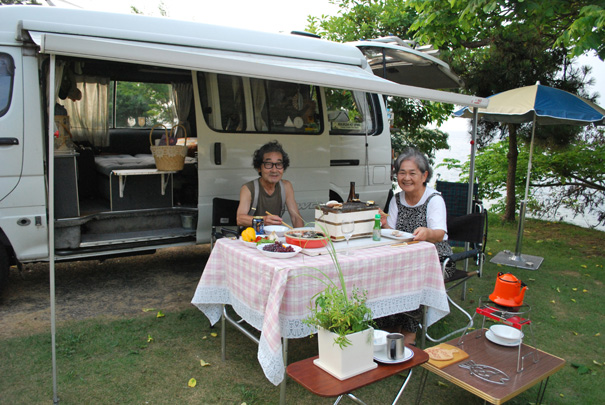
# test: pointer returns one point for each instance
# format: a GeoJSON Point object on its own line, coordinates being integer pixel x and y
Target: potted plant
{"type": "Point", "coordinates": [344, 325]}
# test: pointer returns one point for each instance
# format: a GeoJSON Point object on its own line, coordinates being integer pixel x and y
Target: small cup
{"type": "Point", "coordinates": [395, 346]}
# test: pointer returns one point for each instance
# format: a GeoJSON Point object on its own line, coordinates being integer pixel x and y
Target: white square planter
{"type": "Point", "coordinates": [349, 361]}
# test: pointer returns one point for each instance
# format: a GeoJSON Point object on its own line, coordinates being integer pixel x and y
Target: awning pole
{"type": "Point", "coordinates": [524, 202]}
{"type": "Point", "coordinates": [51, 219]}
{"type": "Point", "coordinates": [471, 176]}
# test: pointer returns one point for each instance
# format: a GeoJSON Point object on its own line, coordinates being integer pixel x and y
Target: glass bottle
{"type": "Point", "coordinates": [376, 231]}
{"type": "Point", "coordinates": [351, 192]}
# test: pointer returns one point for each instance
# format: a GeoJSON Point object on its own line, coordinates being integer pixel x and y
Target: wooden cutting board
{"type": "Point", "coordinates": [458, 354]}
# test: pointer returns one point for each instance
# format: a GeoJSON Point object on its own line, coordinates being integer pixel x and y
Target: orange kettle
{"type": "Point", "coordinates": [509, 290]}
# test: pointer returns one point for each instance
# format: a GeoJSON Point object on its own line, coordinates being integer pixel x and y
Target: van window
{"type": "Point", "coordinates": [281, 107]}
{"type": "Point", "coordinates": [352, 112]}
{"type": "Point", "coordinates": [141, 105]}
{"type": "Point", "coordinates": [258, 105]}
{"type": "Point", "coordinates": [7, 72]}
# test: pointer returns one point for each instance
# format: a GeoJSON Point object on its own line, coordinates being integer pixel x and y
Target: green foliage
{"type": "Point", "coordinates": [334, 309]}
{"type": "Point", "coordinates": [150, 100]}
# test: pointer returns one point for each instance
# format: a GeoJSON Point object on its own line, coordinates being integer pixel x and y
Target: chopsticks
{"type": "Point", "coordinates": [405, 243]}
{"type": "Point", "coordinates": [289, 226]}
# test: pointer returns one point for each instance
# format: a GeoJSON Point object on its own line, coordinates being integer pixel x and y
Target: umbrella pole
{"type": "Point", "coordinates": [517, 260]}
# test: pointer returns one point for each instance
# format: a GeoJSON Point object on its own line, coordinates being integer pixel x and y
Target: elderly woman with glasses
{"type": "Point", "coordinates": [269, 192]}
{"type": "Point", "coordinates": [419, 210]}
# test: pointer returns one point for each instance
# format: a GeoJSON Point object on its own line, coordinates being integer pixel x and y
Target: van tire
{"type": "Point", "coordinates": [4, 267]}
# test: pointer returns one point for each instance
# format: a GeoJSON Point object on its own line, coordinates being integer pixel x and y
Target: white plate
{"type": "Point", "coordinates": [278, 255]}
{"type": "Point", "coordinates": [399, 235]}
{"type": "Point", "coordinates": [249, 244]}
{"type": "Point", "coordinates": [506, 333]}
{"type": "Point", "coordinates": [495, 339]}
{"type": "Point", "coordinates": [382, 357]}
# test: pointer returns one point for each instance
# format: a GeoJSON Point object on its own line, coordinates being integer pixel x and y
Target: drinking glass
{"type": "Point", "coordinates": [347, 229]}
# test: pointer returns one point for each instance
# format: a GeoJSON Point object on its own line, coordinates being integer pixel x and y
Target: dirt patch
{"type": "Point", "coordinates": [111, 288]}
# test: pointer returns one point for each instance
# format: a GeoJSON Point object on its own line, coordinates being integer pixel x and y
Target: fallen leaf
{"type": "Point", "coordinates": [539, 241]}
{"type": "Point", "coordinates": [214, 334]}
{"type": "Point", "coordinates": [597, 334]}
{"type": "Point", "coordinates": [160, 314]}
{"type": "Point", "coordinates": [597, 363]}
{"type": "Point", "coordinates": [572, 300]}
{"type": "Point", "coordinates": [552, 302]}
{"type": "Point", "coordinates": [192, 383]}
{"type": "Point", "coordinates": [149, 339]}
{"type": "Point", "coordinates": [558, 290]}
{"type": "Point", "coordinates": [574, 289]}
{"type": "Point", "coordinates": [470, 290]}
{"type": "Point", "coordinates": [441, 384]}
{"type": "Point", "coordinates": [148, 309]}
{"type": "Point", "coordinates": [585, 290]}
{"type": "Point", "coordinates": [204, 364]}
{"type": "Point", "coordinates": [583, 266]}
{"type": "Point", "coordinates": [532, 279]}
{"type": "Point", "coordinates": [562, 396]}
{"type": "Point", "coordinates": [204, 337]}
{"type": "Point", "coordinates": [489, 253]}
{"type": "Point", "coordinates": [575, 333]}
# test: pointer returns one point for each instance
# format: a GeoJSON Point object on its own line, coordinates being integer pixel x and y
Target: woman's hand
{"type": "Point", "coordinates": [430, 235]}
{"type": "Point", "coordinates": [383, 218]}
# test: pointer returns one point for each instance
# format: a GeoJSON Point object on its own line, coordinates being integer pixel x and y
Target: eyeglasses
{"type": "Point", "coordinates": [271, 165]}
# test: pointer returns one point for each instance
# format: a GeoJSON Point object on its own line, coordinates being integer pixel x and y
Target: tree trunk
{"type": "Point", "coordinates": [512, 155]}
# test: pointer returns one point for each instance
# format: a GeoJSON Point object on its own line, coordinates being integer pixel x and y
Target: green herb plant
{"type": "Point", "coordinates": [334, 309]}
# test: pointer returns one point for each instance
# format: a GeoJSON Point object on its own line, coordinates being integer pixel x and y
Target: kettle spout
{"type": "Point", "coordinates": [519, 298]}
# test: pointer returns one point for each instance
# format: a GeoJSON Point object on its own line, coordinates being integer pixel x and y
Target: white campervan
{"type": "Point", "coordinates": [84, 94]}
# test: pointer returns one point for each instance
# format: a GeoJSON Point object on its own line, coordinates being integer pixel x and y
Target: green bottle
{"type": "Point", "coordinates": [376, 230]}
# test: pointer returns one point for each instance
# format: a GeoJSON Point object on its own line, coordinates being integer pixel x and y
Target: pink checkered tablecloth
{"type": "Point", "coordinates": [274, 295]}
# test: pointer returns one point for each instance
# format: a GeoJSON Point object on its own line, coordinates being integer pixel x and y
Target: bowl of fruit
{"type": "Point", "coordinates": [251, 239]}
{"type": "Point", "coordinates": [278, 250]}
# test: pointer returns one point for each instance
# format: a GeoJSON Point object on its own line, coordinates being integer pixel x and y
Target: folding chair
{"type": "Point", "coordinates": [472, 230]}
{"type": "Point", "coordinates": [224, 214]}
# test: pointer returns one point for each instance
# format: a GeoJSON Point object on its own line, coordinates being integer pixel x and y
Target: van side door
{"type": "Point", "coordinates": [11, 119]}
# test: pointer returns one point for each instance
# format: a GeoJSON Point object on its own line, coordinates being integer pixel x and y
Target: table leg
{"type": "Point", "coordinates": [282, 387]}
{"type": "Point", "coordinates": [405, 383]}
{"type": "Point", "coordinates": [421, 385]}
{"type": "Point", "coordinates": [223, 337]}
{"type": "Point", "coordinates": [542, 390]}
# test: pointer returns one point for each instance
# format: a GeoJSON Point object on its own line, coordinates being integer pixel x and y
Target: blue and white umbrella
{"type": "Point", "coordinates": [541, 105]}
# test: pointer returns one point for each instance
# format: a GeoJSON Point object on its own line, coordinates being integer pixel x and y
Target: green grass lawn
{"type": "Point", "coordinates": [150, 360]}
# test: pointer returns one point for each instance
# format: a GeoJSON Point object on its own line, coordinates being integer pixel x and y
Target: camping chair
{"type": "Point", "coordinates": [224, 214]}
{"type": "Point", "coordinates": [472, 230]}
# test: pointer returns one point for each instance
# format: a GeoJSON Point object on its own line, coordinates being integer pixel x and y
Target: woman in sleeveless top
{"type": "Point", "coordinates": [420, 210]}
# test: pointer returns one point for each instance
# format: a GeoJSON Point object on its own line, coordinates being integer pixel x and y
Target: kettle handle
{"type": "Point", "coordinates": [507, 281]}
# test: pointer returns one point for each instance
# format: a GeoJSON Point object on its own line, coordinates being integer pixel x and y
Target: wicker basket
{"type": "Point", "coordinates": [168, 157]}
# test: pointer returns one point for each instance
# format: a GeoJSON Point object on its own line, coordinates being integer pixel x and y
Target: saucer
{"type": "Point", "coordinates": [382, 357]}
{"type": "Point", "coordinates": [495, 339]}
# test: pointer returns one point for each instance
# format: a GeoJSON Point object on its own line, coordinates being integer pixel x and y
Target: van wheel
{"type": "Point", "coordinates": [4, 266]}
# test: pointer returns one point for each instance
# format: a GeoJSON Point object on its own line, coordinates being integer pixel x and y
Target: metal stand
{"type": "Point", "coordinates": [515, 317]}
{"type": "Point", "coordinates": [507, 258]}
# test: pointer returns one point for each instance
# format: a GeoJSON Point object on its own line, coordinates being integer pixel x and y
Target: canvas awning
{"type": "Point", "coordinates": [327, 74]}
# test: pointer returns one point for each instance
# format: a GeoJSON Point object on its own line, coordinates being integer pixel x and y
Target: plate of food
{"type": "Point", "coordinates": [398, 235]}
{"type": "Point", "coordinates": [278, 250]}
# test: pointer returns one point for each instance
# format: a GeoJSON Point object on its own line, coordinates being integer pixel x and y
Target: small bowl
{"type": "Point", "coordinates": [507, 333]}
{"type": "Point", "coordinates": [278, 229]}
{"type": "Point", "coordinates": [380, 340]}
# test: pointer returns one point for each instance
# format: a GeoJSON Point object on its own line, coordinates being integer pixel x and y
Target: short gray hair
{"type": "Point", "coordinates": [417, 157]}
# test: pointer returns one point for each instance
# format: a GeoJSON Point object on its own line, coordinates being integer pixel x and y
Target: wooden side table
{"type": "Point", "coordinates": [323, 384]}
{"type": "Point", "coordinates": [482, 351]}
